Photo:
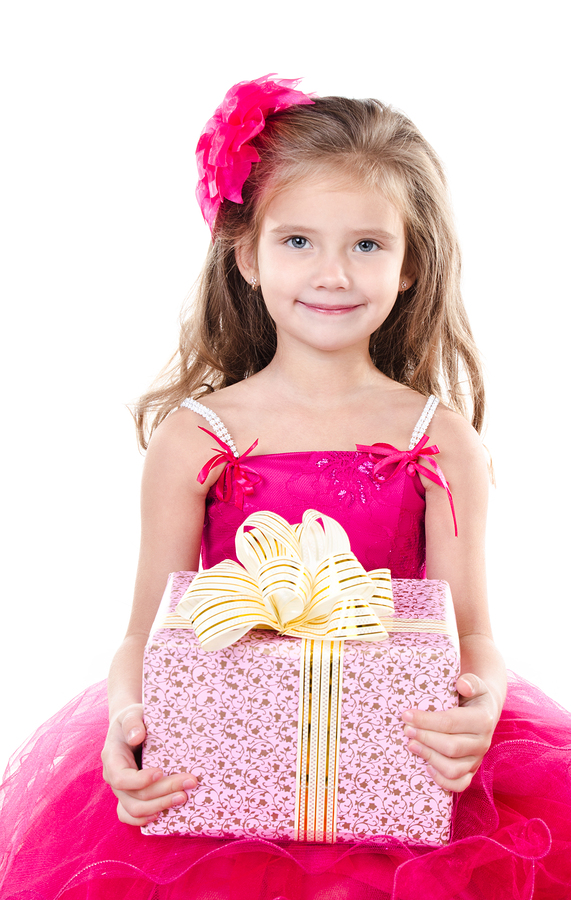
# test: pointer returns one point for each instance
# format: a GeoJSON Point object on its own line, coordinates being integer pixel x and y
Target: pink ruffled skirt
{"type": "Point", "coordinates": [60, 836]}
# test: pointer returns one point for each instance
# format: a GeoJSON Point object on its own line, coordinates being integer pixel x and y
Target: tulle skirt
{"type": "Point", "coordinates": [60, 836]}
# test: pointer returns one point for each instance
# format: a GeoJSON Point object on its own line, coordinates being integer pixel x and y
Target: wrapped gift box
{"type": "Point", "coordinates": [233, 717]}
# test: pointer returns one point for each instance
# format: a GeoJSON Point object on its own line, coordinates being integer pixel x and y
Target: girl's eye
{"type": "Point", "coordinates": [366, 246]}
{"type": "Point", "coordinates": [298, 243]}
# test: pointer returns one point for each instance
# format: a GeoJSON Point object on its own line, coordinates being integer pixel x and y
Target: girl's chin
{"type": "Point", "coordinates": [323, 341]}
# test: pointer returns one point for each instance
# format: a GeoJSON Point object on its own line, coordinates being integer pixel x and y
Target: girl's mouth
{"type": "Point", "coordinates": [338, 310]}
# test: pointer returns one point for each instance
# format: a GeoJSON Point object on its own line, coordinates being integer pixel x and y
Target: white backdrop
{"type": "Point", "coordinates": [102, 240]}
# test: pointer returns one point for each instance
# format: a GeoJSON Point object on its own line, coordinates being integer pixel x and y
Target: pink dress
{"type": "Point", "coordinates": [59, 833]}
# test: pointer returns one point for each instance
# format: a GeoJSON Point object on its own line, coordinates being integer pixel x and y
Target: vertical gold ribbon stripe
{"type": "Point", "coordinates": [318, 737]}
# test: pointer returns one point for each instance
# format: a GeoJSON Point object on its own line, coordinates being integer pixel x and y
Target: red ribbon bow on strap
{"type": "Point", "coordinates": [234, 475]}
{"type": "Point", "coordinates": [409, 459]}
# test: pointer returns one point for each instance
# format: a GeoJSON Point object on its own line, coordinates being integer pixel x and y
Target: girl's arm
{"type": "Point", "coordinates": [454, 742]}
{"type": "Point", "coordinates": [172, 517]}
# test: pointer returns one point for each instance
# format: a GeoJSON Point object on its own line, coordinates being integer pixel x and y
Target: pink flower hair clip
{"type": "Point", "coordinates": [223, 153]}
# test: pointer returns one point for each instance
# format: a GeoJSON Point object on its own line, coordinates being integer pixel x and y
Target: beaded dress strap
{"type": "Point", "coordinates": [424, 421]}
{"type": "Point", "coordinates": [215, 423]}
{"type": "Point", "coordinates": [389, 461]}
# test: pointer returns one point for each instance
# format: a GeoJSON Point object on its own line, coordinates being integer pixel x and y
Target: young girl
{"type": "Point", "coordinates": [328, 318]}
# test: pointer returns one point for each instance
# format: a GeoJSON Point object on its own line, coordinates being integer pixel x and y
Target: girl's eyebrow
{"type": "Point", "coordinates": [292, 229]}
{"type": "Point", "coordinates": [354, 233]}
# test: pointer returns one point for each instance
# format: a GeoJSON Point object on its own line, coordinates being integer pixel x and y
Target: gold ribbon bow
{"type": "Point", "coordinates": [301, 580]}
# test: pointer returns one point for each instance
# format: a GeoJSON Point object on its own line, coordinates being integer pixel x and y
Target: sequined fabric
{"type": "Point", "coordinates": [383, 519]}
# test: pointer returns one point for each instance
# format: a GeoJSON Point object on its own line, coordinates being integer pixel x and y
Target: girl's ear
{"type": "Point", "coordinates": [406, 281]}
{"type": "Point", "coordinates": [246, 262]}
{"type": "Point", "coordinates": [407, 276]}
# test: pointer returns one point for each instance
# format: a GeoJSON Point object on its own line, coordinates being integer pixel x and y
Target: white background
{"type": "Point", "coordinates": [101, 242]}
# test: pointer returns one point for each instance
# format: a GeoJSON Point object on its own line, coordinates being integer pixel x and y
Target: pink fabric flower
{"type": "Point", "coordinates": [223, 154]}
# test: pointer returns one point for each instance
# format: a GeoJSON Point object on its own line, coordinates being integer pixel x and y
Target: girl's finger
{"type": "Point", "coordinates": [127, 778]}
{"type": "Point", "coordinates": [450, 774]}
{"type": "Point", "coordinates": [449, 767]}
{"type": "Point", "coordinates": [140, 810]}
{"type": "Point", "coordinates": [445, 722]}
{"type": "Point", "coordinates": [124, 816]}
{"type": "Point", "coordinates": [133, 728]}
{"type": "Point", "coordinates": [476, 719]}
{"type": "Point", "coordinates": [454, 746]}
{"type": "Point", "coordinates": [160, 788]}
{"type": "Point", "coordinates": [471, 686]}
{"type": "Point", "coordinates": [457, 785]}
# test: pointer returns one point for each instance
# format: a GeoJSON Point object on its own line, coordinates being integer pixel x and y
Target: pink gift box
{"type": "Point", "coordinates": [231, 717]}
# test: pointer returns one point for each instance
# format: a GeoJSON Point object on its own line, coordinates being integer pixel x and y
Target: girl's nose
{"type": "Point", "coordinates": [331, 273]}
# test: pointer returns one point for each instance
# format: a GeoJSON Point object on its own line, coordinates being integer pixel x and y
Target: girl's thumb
{"type": "Point", "coordinates": [133, 728]}
{"type": "Point", "coordinates": [470, 685]}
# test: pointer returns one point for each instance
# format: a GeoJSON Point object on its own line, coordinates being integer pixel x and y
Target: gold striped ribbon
{"type": "Point", "coordinates": [319, 724]}
{"type": "Point", "coordinates": [429, 626]}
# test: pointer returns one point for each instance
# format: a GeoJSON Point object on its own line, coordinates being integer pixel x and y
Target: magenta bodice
{"type": "Point", "coordinates": [384, 519]}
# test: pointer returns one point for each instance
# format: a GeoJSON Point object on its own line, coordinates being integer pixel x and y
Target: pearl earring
{"type": "Point", "coordinates": [254, 283]}
{"type": "Point", "coordinates": [403, 285]}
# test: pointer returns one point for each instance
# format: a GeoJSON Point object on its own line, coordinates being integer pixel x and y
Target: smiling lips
{"type": "Point", "coordinates": [329, 310]}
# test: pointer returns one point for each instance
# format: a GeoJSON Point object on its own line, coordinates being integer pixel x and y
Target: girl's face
{"type": "Point", "coordinates": [330, 263]}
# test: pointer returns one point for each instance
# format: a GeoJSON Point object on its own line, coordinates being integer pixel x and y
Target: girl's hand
{"type": "Point", "coordinates": [144, 793]}
{"type": "Point", "coordinates": [454, 742]}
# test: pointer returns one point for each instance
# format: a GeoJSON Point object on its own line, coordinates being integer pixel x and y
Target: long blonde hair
{"type": "Point", "coordinates": [426, 341]}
